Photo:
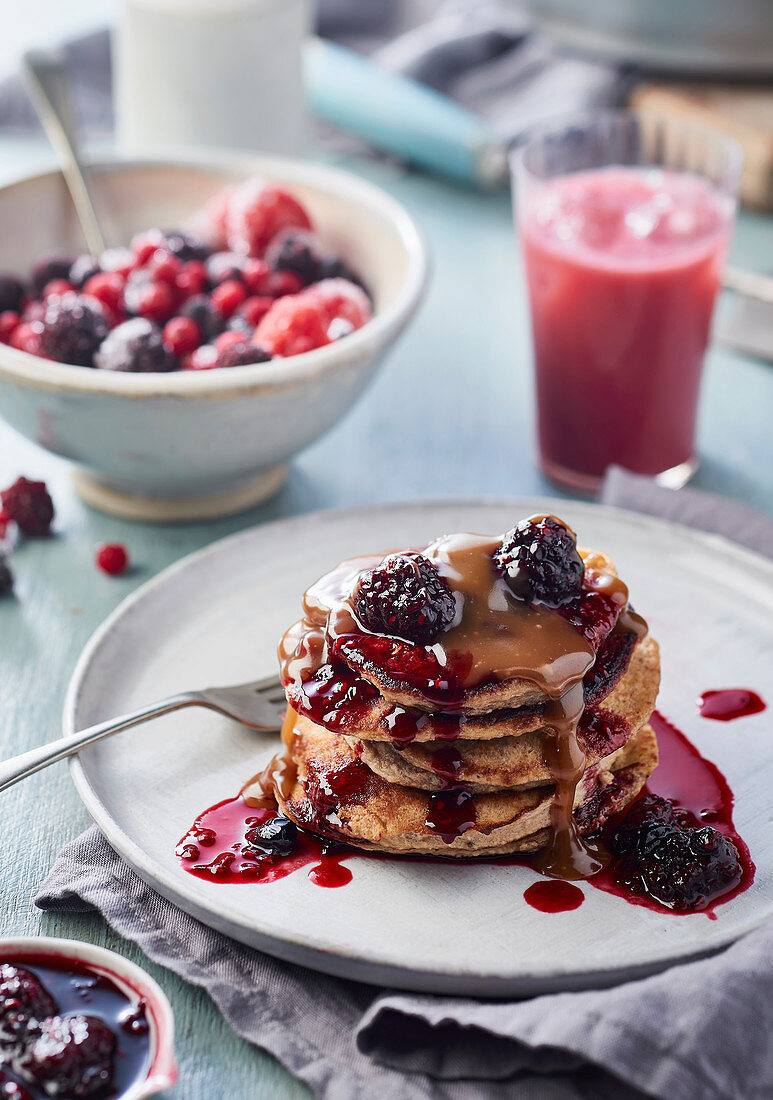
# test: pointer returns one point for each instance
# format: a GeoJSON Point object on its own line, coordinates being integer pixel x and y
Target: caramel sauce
{"type": "Point", "coordinates": [494, 638]}
{"type": "Point", "coordinates": [279, 775]}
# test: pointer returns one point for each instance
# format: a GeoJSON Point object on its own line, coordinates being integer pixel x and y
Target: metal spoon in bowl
{"type": "Point", "coordinates": [45, 76]}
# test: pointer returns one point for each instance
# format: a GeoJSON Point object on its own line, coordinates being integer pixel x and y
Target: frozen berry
{"type": "Point", "coordinates": [253, 310]}
{"type": "Point", "coordinates": [241, 354]}
{"type": "Point", "coordinates": [34, 311]}
{"type": "Point", "coordinates": [164, 267]}
{"type": "Point", "coordinates": [22, 996]}
{"type": "Point", "coordinates": [185, 246]}
{"type": "Point", "coordinates": [6, 582]}
{"type": "Point", "coordinates": [135, 346]}
{"type": "Point", "coordinates": [277, 837]}
{"type": "Point", "coordinates": [224, 265]}
{"type": "Point", "coordinates": [52, 265]}
{"type": "Point", "coordinates": [112, 558]}
{"type": "Point", "coordinates": [84, 267]}
{"type": "Point", "coordinates": [69, 1056]}
{"type": "Point", "coordinates": [203, 358]}
{"type": "Point", "coordinates": [239, 323]}
{"type": "Point", "coordinates": [201, 310]}
{"type": "Point", "coordinates": [73, 328]}
{"type": "Point", "coordinates": [405, 597]}
{"type": "Point", "coordinates": [256, 212]}
{"type": "Point", "coordinates": [120, 260]}
{"type": "Point", "coordinates": [143, 245]}
{"type": "Point", "coordinates": [192, 279]}
{"type": "Point", "coordinates": [29, 505]}
{"type": "Point", "coordinates": [56, 288]}
{"type": "Point", "coordinates": [107, 288]}
{"type": "Point", "coordinates": [293, 326]}
{"type": "Point", "coordinates": [342, 300]}
{"type": "Point", "coordinates": [284, 282]}
{"type": "Point", "coordinates": [181, 335]}
{"type": "Point", "coordinates": [297, 251]}
{"type": "Point", "coordinates": [9, 321]}
{"type": "Point", "coordinates": [227, 297]}
{"type": "Point", "coordinates": [28, 337]}
{"type": "Point", "coordinates": [256, 274]}
{"type": "Point", "coordinates": [539, 560]}
{"type": "Point", "coordinates": [145, 297]}
{"type": "Point", "coordinates": [11, 293]}
{"type": "Point", "coordinates": [334, 267]}
{"type": "Point", "coordinates": [682, 867]}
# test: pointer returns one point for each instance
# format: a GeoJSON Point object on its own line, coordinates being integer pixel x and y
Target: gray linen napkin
{"type": "Point", "coordinates": [696, 1032]}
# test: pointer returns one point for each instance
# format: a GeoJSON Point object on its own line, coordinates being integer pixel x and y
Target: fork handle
{"type": "Point", "coordinates": [26, 763]}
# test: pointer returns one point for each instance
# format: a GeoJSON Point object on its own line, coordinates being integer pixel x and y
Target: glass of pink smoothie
{"type": "Point", "coordinates": [624, 226]}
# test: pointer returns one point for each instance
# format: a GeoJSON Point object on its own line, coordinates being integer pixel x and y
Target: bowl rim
{"type": "Point", "coordinates": [162, 1073]}
{"type": "Point", "coordinates": [46, 374]}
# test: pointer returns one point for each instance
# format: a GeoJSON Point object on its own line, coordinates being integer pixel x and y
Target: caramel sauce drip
{"type": "Point", "coordinates": [279, 775]}
{"type": "Point", "coordinates": [502, 638]}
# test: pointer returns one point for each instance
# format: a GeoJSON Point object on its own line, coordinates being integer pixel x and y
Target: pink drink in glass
{"type": "Point", "coordinates": [623, 266]}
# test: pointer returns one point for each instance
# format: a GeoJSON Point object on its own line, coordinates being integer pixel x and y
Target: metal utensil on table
{"type": "Point", "coordinates": [45, 76]}
{"type": "Point", "coordinates": [259, 705]}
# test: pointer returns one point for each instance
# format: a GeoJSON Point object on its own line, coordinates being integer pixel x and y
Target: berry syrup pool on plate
{"type": "Point", "coordinates": [623, 246]}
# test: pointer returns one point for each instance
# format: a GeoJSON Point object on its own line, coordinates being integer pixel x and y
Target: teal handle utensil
{"type": "Point", "coordinates": [401, 116]}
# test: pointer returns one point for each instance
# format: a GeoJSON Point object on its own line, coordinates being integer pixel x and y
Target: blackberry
{"type": "Point", "coordinates": [22, 996]}
{"type": "Point", "coordinates": [185, 246]}
{"type": "Point", "coordinates": [678, 865]}
{"type": "Point", "coordinates": [82, 269]}
{"type": "Point", "coordinates": [334, 267]}
{"type": "Point", "coordinates": [52, 265]}
{"type": "Point", "coordinates": [277, 837]}
{"type": "Point", "coordinates": [405, 597]}
{"type": "Point", "coordinates": [69, 1056]}
{"type": "Point", "coordinates": [241, 355]}
{"type": "Point", "coordinates": [6, 577]}
{"type": "Point", "coordinates": [135, 346]}
{"type": "Point", "coordinates": [538, 558]}
{"type": "Point", "coordinates": [11, 293]}
{"type": "Point", "coordinates": [73, 329]}
{"type": "Point", "coordinates": [200, 309]}
{"type": "Point", "coordinates": [298, 251]}
{"type": "Point", "coordinates": [29, 505]}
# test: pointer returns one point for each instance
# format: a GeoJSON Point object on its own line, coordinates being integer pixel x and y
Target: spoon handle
{"type": "Point", "coordinates": [45, 75]}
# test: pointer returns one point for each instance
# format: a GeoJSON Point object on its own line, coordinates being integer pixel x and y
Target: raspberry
{"type": "Point", "coordinates": [52, 265]}
{"type": "Point", "coordinates": [296, 251]}
{"type": "Point", "coordinates": [181, 335]}
{"type": "Point", "coordinates": [107, 288]}
{"type": "Point", "coordinates": [253, 310]}
{"type": "Point", "coordinates": [539, 560]}
{"type": "Point", "coordinates": [342, 300]}
{"type": "Point", "coordinates": [200, 310]}
{"type": "Point", "coordinates": [22, 996]}
{"type": "Point", "coordinates": [56, 288]}
{"type": "Point", "coordinates": [241, 354]}
{"type": "Point", "coordinates": [11, 294]}
{"type": "Point", "coordinates": [224, 265]}
{"type": "Point", "coordinates": [256, 212]}
{"type": "Point", "coordinates": [135, 346]}
{"type": "Point", "coordinates": [112, 558]}
{"type": "Point", "coordinates": [73, 328]}
{"type": "Point", "coordinates": [146, 298]}
{"type": "Point", "coordinates": [29, 505]}
{"type": "Point", "coordinates": [84, 267]}
{"type": "Point", "coordinates": [256, 274]}
{"type": "Point", "coordinates": [6, 586]}
{"type": "Point", "coordinates": [405, 597]}
{"type": "Point", "coordinates": [164, 267]}
{"type": "Point", "coordinates": [227, 297]}
{"type": "Point", "coordinates": [293, 326]}
{"type": "Point", "coordinates": [27, 337]}
{"type": "Point", "coordinates": [69, 1056]}
{"type": "Point", "coordinates": [681, 866]}
{"type": "Point", "coordinates": [192, 279]}
{"type": "Point", "coordinates": [9, 321]}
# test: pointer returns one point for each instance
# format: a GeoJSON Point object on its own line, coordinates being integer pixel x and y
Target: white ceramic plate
{"type": "Point", "coordinates": [215, 618]}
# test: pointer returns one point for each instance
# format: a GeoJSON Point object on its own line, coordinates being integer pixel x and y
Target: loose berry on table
{"type": "Point", "coordinates": [112, 558]}
{"type": "Point", "coordinates": [29, 505]}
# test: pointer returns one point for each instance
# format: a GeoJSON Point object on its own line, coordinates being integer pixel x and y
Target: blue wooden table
{"type": "Point", "coordinates": [450, 415]}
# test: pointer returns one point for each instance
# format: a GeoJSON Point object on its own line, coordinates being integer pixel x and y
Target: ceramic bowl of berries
{"type": "Point", "coordinates": [77, 1020]}
{"type": "Point", "coordinates": [241, 308]}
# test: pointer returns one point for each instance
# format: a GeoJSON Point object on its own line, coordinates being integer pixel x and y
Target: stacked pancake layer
{"type": "Point", "coordinates": [384, 754]}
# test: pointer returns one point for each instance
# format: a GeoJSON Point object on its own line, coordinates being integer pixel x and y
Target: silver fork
{"type": "Point", "coordinates": [259, 705]}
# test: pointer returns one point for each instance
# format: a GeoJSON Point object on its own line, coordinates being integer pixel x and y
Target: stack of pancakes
{"type": "Point", "coordinates": [478, 782]}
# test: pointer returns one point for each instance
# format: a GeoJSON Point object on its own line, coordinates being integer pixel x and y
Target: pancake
{"type": "Point", "coordinates": [335, 794]}
{"type": "Point", "coordinates": [382, 662]}
{"type": "Point", "coordinates": [632, 700]}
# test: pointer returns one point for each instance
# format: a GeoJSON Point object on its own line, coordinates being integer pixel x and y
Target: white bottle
{"type": "Point", "coordinates": [211, 72]}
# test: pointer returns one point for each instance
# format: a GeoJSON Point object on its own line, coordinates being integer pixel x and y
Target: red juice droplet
{"type": "Point", "coordinates": [729, 703]}
{"type": "Point", "coordinates": [554, 896]}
